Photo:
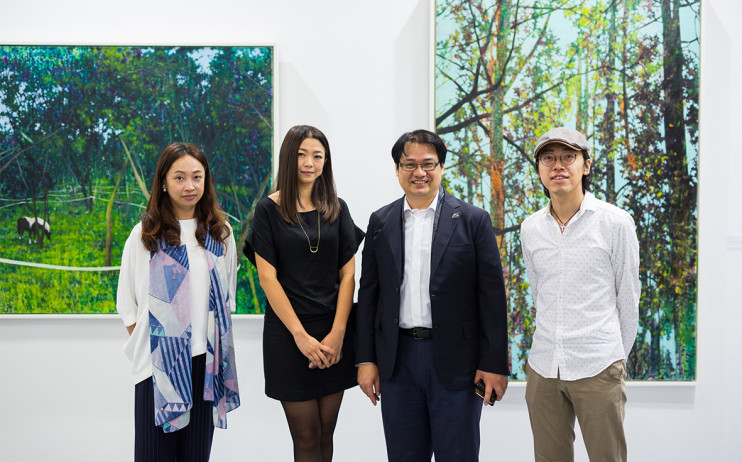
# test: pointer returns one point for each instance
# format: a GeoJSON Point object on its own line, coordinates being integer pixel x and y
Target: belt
{"type": "Point", "coordinates": [417, 333]}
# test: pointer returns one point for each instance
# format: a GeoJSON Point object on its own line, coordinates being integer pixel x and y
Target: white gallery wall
{"type": "Point", "coordinates": [360, 71]}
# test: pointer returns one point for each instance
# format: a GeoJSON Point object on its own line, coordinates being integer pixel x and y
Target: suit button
{"type": "Point", "coordinates": [396, 321]}
{"type": "Point", "coordinates": [396, 290]}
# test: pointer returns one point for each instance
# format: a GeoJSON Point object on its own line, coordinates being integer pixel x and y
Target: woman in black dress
{"type": "Point", "coordinates": [303, 241]}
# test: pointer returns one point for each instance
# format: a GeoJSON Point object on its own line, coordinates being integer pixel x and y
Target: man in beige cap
{"type": "Point", "coordinates": [582, 260]}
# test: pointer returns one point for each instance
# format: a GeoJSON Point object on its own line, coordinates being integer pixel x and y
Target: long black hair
{"type": "Point", "coordinates": [324, 195]}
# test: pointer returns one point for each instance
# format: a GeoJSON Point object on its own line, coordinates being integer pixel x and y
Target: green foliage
{"type": "Point", "coordinates": [66, 114]}
{"type": "Point", "coordinates": [506, 72]}
{"type": "Point", "coordinates": [77, 242]}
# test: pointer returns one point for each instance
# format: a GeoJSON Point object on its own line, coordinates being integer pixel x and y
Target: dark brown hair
{"type": "Point", "coordinates": [159, 221]}
{"type": "Point", "coordinates": [324, 196]}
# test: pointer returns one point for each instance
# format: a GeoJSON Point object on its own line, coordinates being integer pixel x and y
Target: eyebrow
{"type": "Point", "coordinates": [183, 171]}
{"type": "Point", "coordinates": [429, 157]}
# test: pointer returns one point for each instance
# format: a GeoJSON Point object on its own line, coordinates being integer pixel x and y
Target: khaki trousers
{"type": "Point", "coordinates": [597, 402]}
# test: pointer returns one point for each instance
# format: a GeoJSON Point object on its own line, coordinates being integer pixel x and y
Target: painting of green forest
{"type": "Point", "coordinates": [81, 129]}
{"type": "Point", "coordinates": [625, 73]}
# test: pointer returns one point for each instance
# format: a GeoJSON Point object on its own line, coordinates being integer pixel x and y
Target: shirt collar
{"type": "Point", "coordinates": [589, 202]}
{"type": "Point", "coordinates": [433, 205]}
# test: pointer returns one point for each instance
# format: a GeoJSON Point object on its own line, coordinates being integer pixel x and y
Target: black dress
{"type": "Point", "coordinates": [311, 283]}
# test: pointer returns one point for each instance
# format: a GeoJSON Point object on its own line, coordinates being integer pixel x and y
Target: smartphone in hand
{"type": "Point", "coordinates": [480, 390]}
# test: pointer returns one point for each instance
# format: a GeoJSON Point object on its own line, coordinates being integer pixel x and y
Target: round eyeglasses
{"type": "Point", "coordinates": [548, 160]}
{"type": "Point", "coordinates": [412, 166]}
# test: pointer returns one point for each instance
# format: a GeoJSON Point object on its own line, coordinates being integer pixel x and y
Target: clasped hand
{"type": "Point", "coordinates": [320, 354]}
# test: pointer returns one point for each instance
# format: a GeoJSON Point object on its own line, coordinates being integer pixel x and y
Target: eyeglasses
{"type": "Point", "coordinates": [412, 166]}
{"type": "Point", "coordinates": [548, 160]}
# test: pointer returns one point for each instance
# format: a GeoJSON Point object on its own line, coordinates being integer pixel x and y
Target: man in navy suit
{"type": "Point", "coordinates": [432, 315]}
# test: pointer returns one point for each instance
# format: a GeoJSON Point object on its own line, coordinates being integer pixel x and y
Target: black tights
{"type": "Point", "coordinates": [312, 424]}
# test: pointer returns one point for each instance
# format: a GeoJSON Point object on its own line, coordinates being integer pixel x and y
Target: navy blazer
{"type": "Point", "coordinates": [467, 293]}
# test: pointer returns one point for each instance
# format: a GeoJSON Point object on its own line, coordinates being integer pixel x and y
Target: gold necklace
{"type": "Point", "coordinates": [562, 224]}
{"type": "Point", "coordinates": [312, 248]}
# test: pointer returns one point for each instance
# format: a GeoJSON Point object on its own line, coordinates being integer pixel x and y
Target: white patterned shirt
{"type": "Point", "coordinates": [585, 288]}
{"type": "Point", "coordinates": [415, 308]}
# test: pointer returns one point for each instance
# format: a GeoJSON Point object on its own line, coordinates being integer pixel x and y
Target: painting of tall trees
{"type": "Point", "coordinates": [625, 73]}
{"type": "Point", "coordinates": [81, 129]}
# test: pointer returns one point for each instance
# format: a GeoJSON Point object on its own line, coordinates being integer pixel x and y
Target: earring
{"type": "Point", "coordinates": [163, 189]}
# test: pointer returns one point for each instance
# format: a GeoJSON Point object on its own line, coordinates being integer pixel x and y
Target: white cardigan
{"type": "Point", "coordinates": [133, 293]}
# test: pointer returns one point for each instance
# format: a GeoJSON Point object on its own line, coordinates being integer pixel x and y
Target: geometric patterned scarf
{"type": "Point", "coordinates": [170, 337]}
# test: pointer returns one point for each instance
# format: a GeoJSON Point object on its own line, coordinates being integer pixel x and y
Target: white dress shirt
{"type": "Point", "coordinates": [415, 291]}
{"type": "Point", "coordinates": [585, 288]}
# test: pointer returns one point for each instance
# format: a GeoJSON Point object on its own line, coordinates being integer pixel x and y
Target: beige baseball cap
{"type": "Point", "coordinates": [564, 135]}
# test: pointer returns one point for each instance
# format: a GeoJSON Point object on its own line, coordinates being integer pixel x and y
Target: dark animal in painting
{"type": "Point", "coordinates": [33, 227]}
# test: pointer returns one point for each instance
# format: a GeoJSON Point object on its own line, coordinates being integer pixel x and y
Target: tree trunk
{"type": "Point", "coordinates": [680, 201]}
{"type": "Point", "coordinates": [497, 103]}
{"type": "Point", "coordinates": [624, 93]}
{"type": "Point", "coordinates": [137, 176]}
{"type": "Point", "coordinates": [87, 166]}
{"type": "Point", "coordinates": [109, 213]}
{"type": "Point", "coordinates": [79, 175]}
{"type": "Point", "coordinates": [582, 98]}
{"type": "Point", "coordinates": [608, 129]}
{"type": "Point", "coordinates": [253, 290]}
{"type": "Point", "coordinates": [245, 227]}
{"type": "Point", "coordinates": [46, 219]}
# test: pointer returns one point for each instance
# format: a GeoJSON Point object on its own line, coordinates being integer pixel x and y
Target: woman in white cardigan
{"type": "Point", "coordinates": [175, 294]}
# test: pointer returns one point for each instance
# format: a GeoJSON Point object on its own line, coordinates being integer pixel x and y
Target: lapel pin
{"type": "Point", "coordinates": [455, 215]}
